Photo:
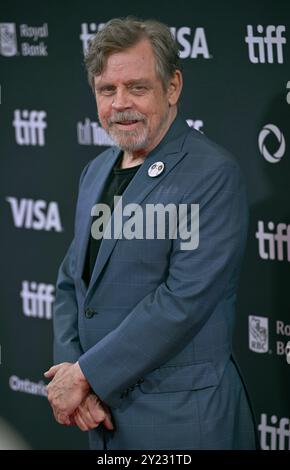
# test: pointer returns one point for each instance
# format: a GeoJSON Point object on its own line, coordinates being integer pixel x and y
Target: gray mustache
{"type": "Point", "coordinates": [126, 116]}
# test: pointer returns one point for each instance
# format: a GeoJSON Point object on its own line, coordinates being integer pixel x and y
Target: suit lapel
{"type": "Point", "coordinates": [169, 151]}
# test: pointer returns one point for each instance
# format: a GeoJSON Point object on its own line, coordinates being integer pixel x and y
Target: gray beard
{"type": "Point", "coordinates": [131, 141]}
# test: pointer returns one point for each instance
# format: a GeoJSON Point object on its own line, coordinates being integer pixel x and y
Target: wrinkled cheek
{"type": "Point", "coordinates": [104, 121]}
{"type": "Point", "coordinates": [103, 115]}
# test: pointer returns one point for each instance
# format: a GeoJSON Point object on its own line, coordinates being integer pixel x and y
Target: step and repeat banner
{"type": "Point", "coordinates": [236, 66]}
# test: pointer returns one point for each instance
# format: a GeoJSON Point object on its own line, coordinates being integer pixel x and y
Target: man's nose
{"type": "Point", "coordinates": [121, 100]}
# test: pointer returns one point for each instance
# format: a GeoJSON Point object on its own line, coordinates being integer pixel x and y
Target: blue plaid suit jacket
{"type": "Point", "coordinates": [153, 330]}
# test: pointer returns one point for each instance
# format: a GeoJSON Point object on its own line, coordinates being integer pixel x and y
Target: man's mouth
{"type": "Point", "coordinates": [127, 123]}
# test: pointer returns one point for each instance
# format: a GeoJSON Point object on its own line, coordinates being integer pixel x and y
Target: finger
{"type": "Point", "coordinates": [61, 418]}
{"type": "Point", "coordinates": [80, 422]}
{"type": "Point", "coordinates": [72, 420]}
{"type": "Point", "coordinates": [86, 416]}
{"type": "Point", "coordinates": [100, 412]}
{"type": "Point", "coordinates": [64, 420]}
{"type": "Point", "coordinates": [108, 423]}
{"type": "Point", "coordinates": [95, 408]}
{"type": "Point", "coordinates": [91, 412]}
{"type": "Point", "coordinates": [52, 371]}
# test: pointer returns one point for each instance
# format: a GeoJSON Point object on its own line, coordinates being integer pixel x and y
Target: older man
{"type": "Point", "coordinates": [143, 321]}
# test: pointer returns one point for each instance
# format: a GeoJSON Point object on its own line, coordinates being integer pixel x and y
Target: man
{"type": "Point", "coordinates": [143, 323]}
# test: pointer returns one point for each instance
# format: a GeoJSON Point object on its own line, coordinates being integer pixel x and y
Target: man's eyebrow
{"type": "Point", "coordinates": [133, 81]}
{"type": "Point", "coordinates": [137, 81]}
{"type": "Point", "coordinates": [103, 86]}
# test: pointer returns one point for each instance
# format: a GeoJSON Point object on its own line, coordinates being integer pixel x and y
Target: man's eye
{"type": "Point", "coordinates": [107, 91]}
{"type": "Point", "coordinates": [138, 89]}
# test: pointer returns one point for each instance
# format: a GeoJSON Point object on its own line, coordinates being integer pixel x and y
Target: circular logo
{"type": "Point", "coordinates": [276, 157]}
{"type": "Point", "coordinates": [155, 169]}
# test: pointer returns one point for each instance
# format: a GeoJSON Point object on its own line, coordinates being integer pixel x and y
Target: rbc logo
{"type": "Point", "coordinates": [8, 39]}
{"type": "Point", "coordinates": [258, 334]}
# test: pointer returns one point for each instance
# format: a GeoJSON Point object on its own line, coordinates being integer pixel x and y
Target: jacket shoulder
{"type": "Point", "coordinates": [204, 153]}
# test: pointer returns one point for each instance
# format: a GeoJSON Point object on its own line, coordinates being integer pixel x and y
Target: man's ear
{"type": "Point", "coordinates": [174, 87]}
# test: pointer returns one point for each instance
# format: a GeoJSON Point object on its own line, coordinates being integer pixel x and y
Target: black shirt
{"type": "Point", "coordinates": [116, 184]}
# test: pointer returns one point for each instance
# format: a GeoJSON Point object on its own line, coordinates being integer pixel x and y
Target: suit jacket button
{"type": "Point", "coordinates": [89, 312]}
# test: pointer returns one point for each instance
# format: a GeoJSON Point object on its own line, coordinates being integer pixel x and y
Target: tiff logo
{"type": "Point", "coordinates": [90, 133]}
{"type": "Point", "coordinates": [29, 127]}
{"type": "Point", "coordinates": [37, 299]}
{"type": "Point", "coordinates": [274, 436]}
{"type": "Point", "coordinates": [275, 243]}
{"type": "Point", "coordinates": [261, 46]}
{"type": "Point", "coordinates": [88, 30]}
{"type": "Point", "coordinates": [36, 215]}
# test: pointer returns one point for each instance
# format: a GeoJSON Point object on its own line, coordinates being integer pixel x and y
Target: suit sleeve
{"type": "Point", "coordinates": [164, 321]}
{"type": "Point", "coordinates": [66, 347]}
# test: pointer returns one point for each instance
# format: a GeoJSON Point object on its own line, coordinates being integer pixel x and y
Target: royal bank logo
{"type": "Point", "coordinates": [258, 334]}
{"type": "Point", "coordinates": [37, 299]}
{"type": "Point", "coordinates": [271, 130]}
{"type": "Point", "coordinates": [91, 133]}
{"type": "Point", "coordinates": [29, 127]}
{"type": "Point", "coordinates": [267, 45]}
{"type": "Point", "coordinates": [274, 435]}
{"type": "Point", "coordinates": [8, 39]}
{"type": "Point", "coordinates": [28, 41]}
{"type": "Point", "coordinates": [35, 215]}
{"type": "Point", "coordinates": [259, 337]}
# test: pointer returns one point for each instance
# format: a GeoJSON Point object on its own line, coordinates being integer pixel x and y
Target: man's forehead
{"type": "Point", "coordinates": [139, 56]}
{"type": "Point", "coordinates": [127, 71]}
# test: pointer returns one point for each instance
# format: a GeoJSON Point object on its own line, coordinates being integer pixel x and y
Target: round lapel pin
{"type": "Point", "coordinates": [155, 169]}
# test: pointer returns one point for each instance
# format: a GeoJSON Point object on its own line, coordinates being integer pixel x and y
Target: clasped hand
{"type": "Point", "coordinates": [72, 400]}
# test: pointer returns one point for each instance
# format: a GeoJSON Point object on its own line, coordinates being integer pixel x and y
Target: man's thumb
{"type": "Point", "coordinates": [52, 371]}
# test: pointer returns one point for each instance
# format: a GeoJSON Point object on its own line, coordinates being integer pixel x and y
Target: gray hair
{"type": "Point", "coordinates": [121, 33]}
